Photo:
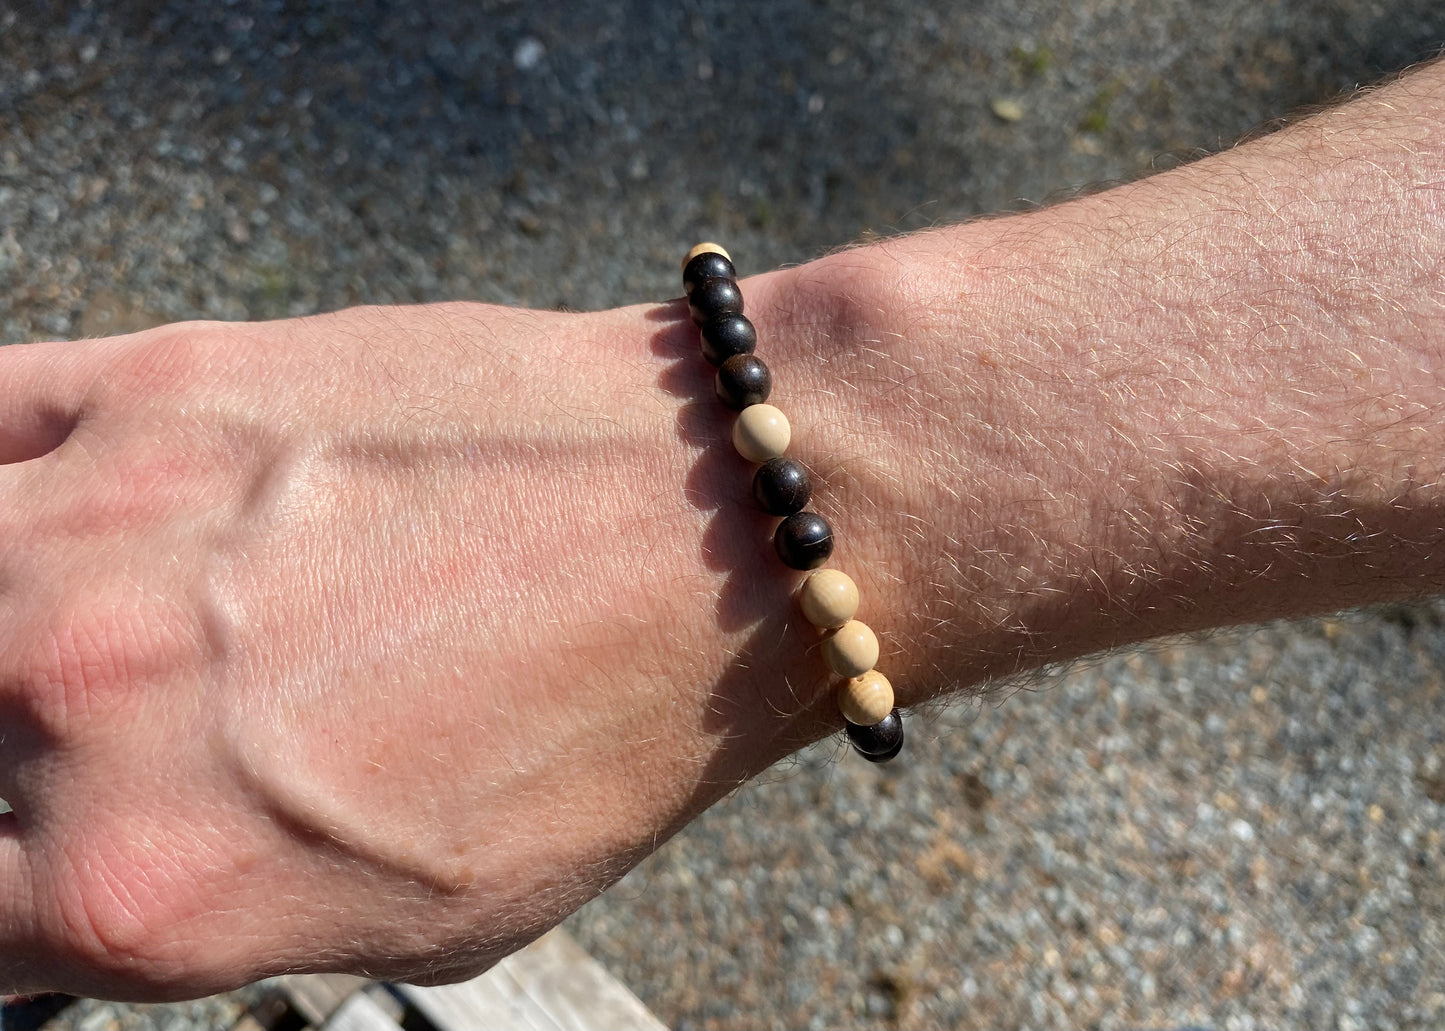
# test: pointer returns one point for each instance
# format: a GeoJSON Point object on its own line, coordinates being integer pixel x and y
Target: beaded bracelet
{"type": "Point", "coordinates": [782, 487]}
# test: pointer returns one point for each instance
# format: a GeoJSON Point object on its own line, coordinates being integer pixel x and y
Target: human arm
{"type": "Point", "coordinates": [382, 640]}
{"type": "Point", "coordinates": [1212, 396]}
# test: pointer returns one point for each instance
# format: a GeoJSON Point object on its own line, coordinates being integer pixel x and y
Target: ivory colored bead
{"type": "Point", "coordinates": [703, 248]}
{"type": "Point", "coordinates": [829, 598]}
{"type": "Point", "coordinates": [851, 650]}
{"type": "Point", "coordinates": [866, 700]}
{"type": "Point", "coordinates": [761, 432]}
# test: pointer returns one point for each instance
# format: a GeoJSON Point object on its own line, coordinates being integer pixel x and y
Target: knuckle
{"type": "Point", "coordinates": [106, 920]}
{"type": "Point", "coordinates": [161, 361]}
{"type": "Point", "coordinates": [118, 374]}
{"type": "Point", "coordinates": [92, 655]}
{"type": "Point", "coordinates": [129, 908]}
{"type": "Point", "coordinates": [83, 659]}
{"type": "Point", "coordinates": [131, 491]}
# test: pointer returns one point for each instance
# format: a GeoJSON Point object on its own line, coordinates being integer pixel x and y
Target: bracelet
{"type": "Point", "coordinates": [782, 487]}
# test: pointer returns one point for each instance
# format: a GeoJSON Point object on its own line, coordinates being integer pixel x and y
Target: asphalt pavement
{"type": "Point", "coordinates": [1243, 831]}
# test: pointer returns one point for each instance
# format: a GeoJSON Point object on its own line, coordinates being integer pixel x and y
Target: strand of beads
{"type": "Point", "coordinates": [782, 487]}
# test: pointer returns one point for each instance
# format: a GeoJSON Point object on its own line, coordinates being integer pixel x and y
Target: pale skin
{"type": "Point", "coordinates": [382, 640]}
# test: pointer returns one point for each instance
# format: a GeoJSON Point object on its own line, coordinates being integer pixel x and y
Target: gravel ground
{"type": "Point", "coordinates": [1244, 831]}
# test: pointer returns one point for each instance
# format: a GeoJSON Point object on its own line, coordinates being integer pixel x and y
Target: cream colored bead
{"type": "Point", "coordinates": [703, 248]}
{"type": "Point", "coordinates": [851, 650]}
{"type": "Point", "coordinates": [828, 598]}
{"type": "Point", "coordinates": [761, 432]}
{"type": "Point", "coordinates": [866, 700]}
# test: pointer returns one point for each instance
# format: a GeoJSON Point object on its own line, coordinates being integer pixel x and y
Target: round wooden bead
{"type": "Point", "coordinates": [851, 650]}
{"type": "Point", "coordinates": [706, 265]}
{"type": "Point", "coordinates": [828, 598]}
{"type": "Point", "coordinates": [743, 380]}
{"type": "Point", "coordinates": [706, 248]}
{"type": "Point", "coordinates": [761, 432]}
{"type": "Point", "coordinates": [866, 700]}
{"type": "Point", "coordinates": [781, 487]}
{"type": "Point", "coordinates": [880, 742]}
{"type": "Point", "coordinates": [713, 298]}
{"type": "Point", "coordinates": [804, 540]}
{"type": "Point", "coordinates": [726, 336]}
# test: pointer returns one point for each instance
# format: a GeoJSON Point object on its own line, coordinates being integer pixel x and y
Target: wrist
{"type": "Point", "coordinates": [1132, 415]}
{"type": "Point", "coordinates": [868, 377]}
{"type": "Point", "coordinates": [1137, 414]}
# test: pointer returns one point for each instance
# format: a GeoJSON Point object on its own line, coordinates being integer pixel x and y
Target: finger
{"type": "Point", "coordinates": [42, 390]}
{"type": "Point", "coordinates": [16, 911]}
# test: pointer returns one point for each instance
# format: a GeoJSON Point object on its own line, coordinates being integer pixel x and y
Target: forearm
{"type": "Point", "coordinates": [1210, 397]}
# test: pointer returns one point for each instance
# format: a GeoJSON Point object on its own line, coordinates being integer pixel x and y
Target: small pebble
{"type": "Point", "coordinates": [1006, 109]}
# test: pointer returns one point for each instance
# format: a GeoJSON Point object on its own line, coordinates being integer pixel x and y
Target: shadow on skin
{"type": "Point", "coordinates": [758, 589]}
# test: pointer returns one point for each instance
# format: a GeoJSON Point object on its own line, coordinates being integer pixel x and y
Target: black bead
{"type": "Point", "coordinates": [706, 265]}
{"type": "Point", "coordinates": [804, 540]}
{"type": "Point", "coordinates": [781, 487]}
{"type": "Point", "coordinates": [880, 742]}
{"type": "Point", "coordinates": [743, 380]}
{"type": "Point", "coordinates": [726, 336]}
{"type": "Point", "coordinates": [714, 297]}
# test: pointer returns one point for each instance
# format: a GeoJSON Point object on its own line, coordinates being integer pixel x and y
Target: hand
{"type": "Point", "coordinates": [377, 641]}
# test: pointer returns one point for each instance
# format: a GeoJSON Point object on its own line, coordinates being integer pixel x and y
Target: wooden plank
{"type": "Point", "coordinates": [317, 996]}
{"type": "Point", "coordinates": [551, 985]}
{"type": "Point", "coordinates": [360, 1012]}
